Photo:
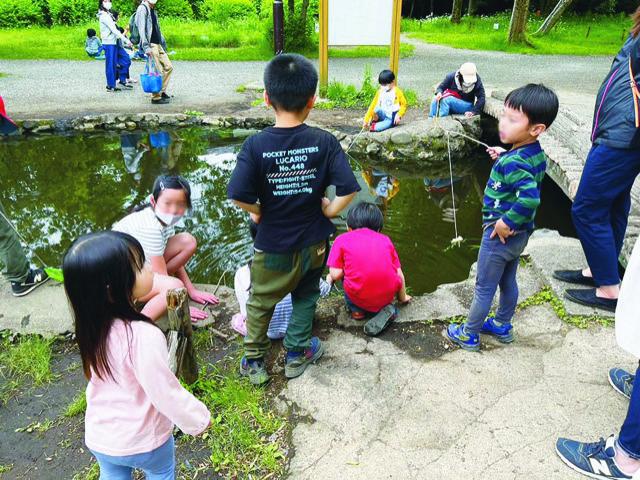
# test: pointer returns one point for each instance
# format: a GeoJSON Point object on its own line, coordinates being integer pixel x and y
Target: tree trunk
{"type": "Point", "coordinates": [472, 7]}
{"type": "Point", "coordinates": [553, 17]}
{"type": "Point", "coordinates": [291, 6]}
{"type": "Point", "coordinates": [518, 25]}
{"type": "Point", "coordinates": [303, 13]}
{"type": "Point", "coordinates": [456, 11]}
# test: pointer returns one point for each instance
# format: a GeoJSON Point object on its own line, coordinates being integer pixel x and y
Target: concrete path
{"type": "Point", "coordinates": [57, 88]}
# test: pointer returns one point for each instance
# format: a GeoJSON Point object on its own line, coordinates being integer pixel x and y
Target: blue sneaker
{"type": "Point", "coordinates": [621, 381]}
{"type": "Point", "coordinates": [255, 370]}
{"type": "Point", "coordinates": [297, 362]}
{"type": "Point", "coordinates": [467, 341]}
{"type": "Point", "coordinates": [594, 460]}
{"type": "Point", "coordinates": [503, 333]}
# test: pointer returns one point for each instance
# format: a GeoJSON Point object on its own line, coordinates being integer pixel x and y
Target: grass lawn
{"type": "Point", "coordinates": [191, 40]}
{"type": "Point", "coordinates": [585, 35]}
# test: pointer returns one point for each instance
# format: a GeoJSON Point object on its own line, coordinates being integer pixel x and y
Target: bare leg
{"type": "Point", "coordinates": [180, 248]}
{"type": "Point", "coordinates": [603, 291]}
{"type": "Point", "coordinates": [156, 300]}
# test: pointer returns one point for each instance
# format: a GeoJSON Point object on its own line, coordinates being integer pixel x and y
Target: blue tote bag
{"type": "Point", "coordinates": [151, 80]}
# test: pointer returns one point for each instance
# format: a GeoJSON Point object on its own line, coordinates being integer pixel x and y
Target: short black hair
{"type": "Point", "coordinates": [386, 77]}
{"type": "Point", "coordinates": [91, 32]}
{"type": "Point", "coordinates": [539, 103]}
{"type": "Point", "coordinates": [365, 215]}
{"type": "Point", "coordinates": [290, 81]}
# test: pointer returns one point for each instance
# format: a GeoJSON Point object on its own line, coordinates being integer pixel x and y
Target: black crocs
{"type": "Point", "coordinates": [573, 276]}
{"type": "Point", "coordinates": [589, 298]}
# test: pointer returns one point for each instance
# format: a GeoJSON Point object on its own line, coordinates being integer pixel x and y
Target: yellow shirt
{"type": "Point", "coordinates": [400, 104]}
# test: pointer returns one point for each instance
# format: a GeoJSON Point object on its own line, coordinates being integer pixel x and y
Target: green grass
{"type": "Point", "coordinates": [88, 473]}
{"type": "Point", "coordinates": [5, 469]}
{"type": "Point", "coordinates": [574, 35]}
{"type": "Point", "coordinates": [239, 40]}
{"type": "Point", "coordinates": [77, 406]}
{"type": "Point", "coordinates": [27, 359]}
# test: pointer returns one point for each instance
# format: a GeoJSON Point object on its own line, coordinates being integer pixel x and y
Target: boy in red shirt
{"type": "Point", "coordinates": [368, 265]}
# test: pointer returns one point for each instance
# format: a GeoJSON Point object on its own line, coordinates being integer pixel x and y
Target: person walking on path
{"type": "Point", "coordinates": [603, 200]}
{"type": "Point", "coordinates": [153, 44]}
{"type": "Point", "coordinates": [461, 92]}
{"type": "Point", "coordinates": [114, 55]}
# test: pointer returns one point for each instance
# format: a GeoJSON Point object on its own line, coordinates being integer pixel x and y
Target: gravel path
{"type": "Point", "coordinates": [58, 88]}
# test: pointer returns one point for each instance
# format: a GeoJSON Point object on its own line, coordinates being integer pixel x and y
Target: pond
{"type": "Point", "coordinates": [56, 188]}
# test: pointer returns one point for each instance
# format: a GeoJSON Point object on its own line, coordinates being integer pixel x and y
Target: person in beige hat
{"type": "Point", "coordinates": [461, 92]}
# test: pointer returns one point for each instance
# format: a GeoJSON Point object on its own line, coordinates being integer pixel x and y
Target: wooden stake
{"type": "Point", "coordinates": [394, 50]}
{"type": "Point", "coordinates": [323, 15]}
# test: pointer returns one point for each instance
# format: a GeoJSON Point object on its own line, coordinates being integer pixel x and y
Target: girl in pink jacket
{"type": "Point", "coordinates": [133, 398]}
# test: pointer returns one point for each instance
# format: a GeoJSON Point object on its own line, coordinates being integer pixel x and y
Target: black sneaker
{"type": "Point", "coordinates": [164, 95]}
{"type": "Point", "coordinates": [112, 89]}
{"type": "Point", "coordinates": [126, 86]}
{"type": "Point", "coordinates": [573, 276]}
{"type": "Point", "coordinates": [35, 278]}
{"type": "Point", "coordinates": [160, 101]}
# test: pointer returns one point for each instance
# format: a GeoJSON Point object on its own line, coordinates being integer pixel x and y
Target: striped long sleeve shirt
{"type": "Point", "coordinates": [513, 190]}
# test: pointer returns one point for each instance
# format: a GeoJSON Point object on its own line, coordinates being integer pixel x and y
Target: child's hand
{"type": "Point", "coordinates": [438, 96]}
{"type": "Point", "coordinates": [255, 217]}
{"type": "Point", "coordinates": [469, 114]}
{"type": "Point", "coordinates": [197, 314]}
{"type": "Point", "coordinates": [405, 299]}
{"type": "Point", "coordinates": [329, 279]}
{"type": "Point", "coordinates": [502, 230]}
{"type": "Point", "coordinates": [396, 120]}
{"type": "Point", "coordinates": [495, 152]}
{"type": "Point", "coordinates": [366, 124]}
{"type": "Point", "coordinates": [199, 296]}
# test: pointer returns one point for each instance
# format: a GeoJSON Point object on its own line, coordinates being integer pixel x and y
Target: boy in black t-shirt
{"type": "Point", "coordinates": [280, 178]}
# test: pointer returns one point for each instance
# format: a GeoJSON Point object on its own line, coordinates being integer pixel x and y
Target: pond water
{"type": "Point", "coordinates": [56, 188]}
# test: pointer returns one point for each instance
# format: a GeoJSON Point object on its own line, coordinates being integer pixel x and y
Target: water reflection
{"type": "Point", "coordinates": [57, 188]}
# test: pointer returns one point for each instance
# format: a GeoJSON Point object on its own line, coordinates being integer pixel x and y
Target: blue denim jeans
{"type": "Point", "coordinates": [601, 208]}
{"type": "Point", "coordinates": [158, 464]}
{"type": "Point", "coordinates": [384, 122]}
{"type": "Point", "coordinates": [450, 106]}
{"type": "Point", "coordinates": [497, 266]}
{"type": "Point", "coordinates": [629, 438]}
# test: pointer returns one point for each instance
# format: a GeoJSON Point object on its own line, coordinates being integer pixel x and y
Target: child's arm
{"type": "Point", "coordinates": [402, 293]}
{"type": "Point", "coordinates": [335, 274]}
{"type": "Point", "coordinates": [335, 206]}
{"type": "Point", "coordinates": [151, 369]}
{"type": "Point", "coordinates": [495, 152]}
{"type": "Point", "coordinates": [253, 208]}
{"type": "Point", "coordinates": [372, 108]}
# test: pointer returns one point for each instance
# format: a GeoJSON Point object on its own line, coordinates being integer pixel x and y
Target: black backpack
{"type": "Point", "coordinates": [134, 33]}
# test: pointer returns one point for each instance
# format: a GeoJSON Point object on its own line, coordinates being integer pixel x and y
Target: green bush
{"type": "Point", "coordinates": [221, 11]}
{"type": "Point", "coordinates": [20, 13]}
{"type": "Point", "coordinates": [174, 8]}
{"type": "Point", "coordinates": [72, 12]}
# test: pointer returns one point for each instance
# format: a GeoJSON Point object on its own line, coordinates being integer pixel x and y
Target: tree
{"type": "Point", "coordinates": [518, 25]}
{"type": "Point", "coordinates": [553, 17]}
{"type": "Point", "coordinates": [472, 7]}
{"type": "Point", "coordinates": [456, 11]}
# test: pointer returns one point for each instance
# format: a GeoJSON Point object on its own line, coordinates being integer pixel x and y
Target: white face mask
{"type": "Point", "coordinates": [106, 5]}
{"type": "Point", "coordinates": [167, 218]}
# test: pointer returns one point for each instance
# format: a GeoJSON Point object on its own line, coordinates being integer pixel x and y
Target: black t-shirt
{"type": "Point", "coordinates": [156, 38]}
{"type": "Point", "coordinates": [288, 171]}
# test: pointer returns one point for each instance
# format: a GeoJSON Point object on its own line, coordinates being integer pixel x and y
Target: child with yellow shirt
{"type": "Point", "coordinates": [388, 106]}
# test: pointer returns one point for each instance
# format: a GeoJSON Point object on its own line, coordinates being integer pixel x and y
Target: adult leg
{"type": "Point", "coordinates": [166, 66]}
{"type": "Point", "coordinates": [458, 106]}
{"type": "Point", "coordinates": [434, 107]}
{"type": "Point", "coordinates": [180, 248]}
{"type": "Point", "coordinates": [110, 64]}
{"type": "Point", "coordinates": [156, 301]}
{"type": "Point", "coordinates": [607, 175]}
{"type": "Point", "coordinates": [444, 106]}
{"type": "Point", "coordinates": [16, 265]}
{"type": "Point", "coordinates": [629, 438]}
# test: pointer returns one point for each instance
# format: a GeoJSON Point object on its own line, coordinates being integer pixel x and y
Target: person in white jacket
{"type": "Point", "coordinates": [617, 457]}
{"type": "Point", "coordinates": [113, 55]}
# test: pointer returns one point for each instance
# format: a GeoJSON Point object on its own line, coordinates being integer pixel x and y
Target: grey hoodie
{"type": "Point", "coordinates": [108, 30]}
{"type": "Point", "coordinates": [145, 26]}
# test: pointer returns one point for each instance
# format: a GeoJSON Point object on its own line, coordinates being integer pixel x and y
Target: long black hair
{"type": "Point", "coordinates": [99, 276]}
{"type": "Point", "coordinates": [168, 182]}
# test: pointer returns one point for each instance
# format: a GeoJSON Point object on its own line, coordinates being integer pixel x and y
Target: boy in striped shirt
{"type": "Point", "coordinates": [511, 198]}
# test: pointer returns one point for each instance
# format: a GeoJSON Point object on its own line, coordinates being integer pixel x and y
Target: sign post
{"type": "Point", "coordinates": [323, 15]}
{"type": "Point", "coordinates": [394, 49]}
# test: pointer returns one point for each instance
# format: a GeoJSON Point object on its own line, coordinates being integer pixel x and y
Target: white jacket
{"type": "Point", "coordinates": [628, 310]}
{"type": "Point", "coordinates": [109, 31]}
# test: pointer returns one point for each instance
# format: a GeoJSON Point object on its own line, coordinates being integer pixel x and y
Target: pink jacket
{"type": "Point", "coordinates": [136, 412]}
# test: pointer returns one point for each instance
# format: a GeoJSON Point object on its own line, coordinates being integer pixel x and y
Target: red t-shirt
{"type": "Point", "coordinates": [370, 263]}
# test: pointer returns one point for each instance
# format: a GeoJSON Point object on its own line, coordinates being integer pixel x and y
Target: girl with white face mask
{"type": "Point", "coordinates": [168, 252]}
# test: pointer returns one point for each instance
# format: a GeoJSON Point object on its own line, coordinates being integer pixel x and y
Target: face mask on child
{"type": "Point", "coordinates": [106, 5]}
{"type": "Point", "coordinates": [167, 218]}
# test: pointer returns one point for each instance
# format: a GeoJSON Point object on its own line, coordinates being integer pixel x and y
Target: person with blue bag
{"type": "Point", "coordinates": [114, 55]}
{"type": "Point", "coordinates": [153, 44]}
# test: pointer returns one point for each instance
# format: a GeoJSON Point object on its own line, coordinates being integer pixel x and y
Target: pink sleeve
{"type": "Point", "coordinates": [168, 396]}
{"type": "Point", "coordinates": [395, 260]}
{"type": "Point", "coordinates": [336, 259]}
